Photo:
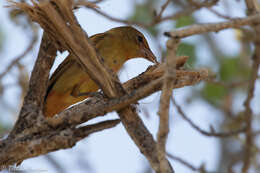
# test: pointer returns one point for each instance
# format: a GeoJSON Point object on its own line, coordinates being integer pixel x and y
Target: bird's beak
{"type": "Point", "coordinates": [148, 54]}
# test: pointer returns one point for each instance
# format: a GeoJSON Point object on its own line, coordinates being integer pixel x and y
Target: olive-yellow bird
{"type": "Point", "coordinates": [115, 46]}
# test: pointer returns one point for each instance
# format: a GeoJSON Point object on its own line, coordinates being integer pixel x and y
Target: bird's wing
{"type": "Point", "coordinates": [70, 62]}
{"type": "Point", "coordinates": [63, 67]}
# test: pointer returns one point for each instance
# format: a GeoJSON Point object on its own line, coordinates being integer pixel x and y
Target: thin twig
{"type": "Point", "coordinates": [55, 163]}
{"type": "Point", "coordinates": [164, 6]}
{"type": "Point", "coordinates": [188, 165]}
{"type": "Point", "coordinates": [249, 115]}
{"type": "Point", "coordinates": [253, 8]}
{"type": "Point", "coordinates": [219, 14]}
{"type": "Point", "coordinates": [187, 11]}
{"type": "Point", "coordinates": [213, 27]}
{"type": "Point", "coordinates": [127, 22]}
{"type": "Point", "coordinates": [230, 85]}
{"type": "Point", "coordinates": [184, 162]}
{"type": "Point", "coordinates": [21, 56]}
{"type": "Point", "coordinates": [212, 133]}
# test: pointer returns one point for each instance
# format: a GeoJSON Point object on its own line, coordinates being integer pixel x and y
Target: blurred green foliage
{"type": "Point", "coordinates": [1, 39]}
{"type": "Point", "coordinates": [184, 21]}
{"type": "Point", "coordinates": [231, 68]}
{"type": "Point", "coordinates": [214, 93]}
{"type": "Point", "coordinates": [187, 49]}
{"type": "Point", "coordinates": [4, 128]}
{"type": "Point", "coordinates": [144, 12]}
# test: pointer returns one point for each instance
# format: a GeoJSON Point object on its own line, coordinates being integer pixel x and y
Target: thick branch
{"type": "Point", "coordinates": [33, 101]}
{"type": "Point", "coordinates": [17, 150]}
{"type": "Point", "coordinates": [138, 88]}
{"type": "Point", "coordinates": [57, 19]}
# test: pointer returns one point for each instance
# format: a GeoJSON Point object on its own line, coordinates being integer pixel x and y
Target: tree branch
{"type": "Point", "coordinates": [33, 135]}
{"type": "Point", "coordinates": [21, 56]}
{"type": "Point", "coordinates": [168, 83]}
{"type": "Point", "coordinates": [212, 133]}
{"type": "Point", "coordinates": [138, 87]}
{"type": "Point", "coordinates": [253, 9]}
{"type": "Point", "coordinates": [33, 101]}
{"type": "Point", "coordinates": [57, 19]}
{"type": "Point", "coordinates": [188, 10]}
{"type": "Point", "coordinates": [19, 149]}
{"type": "Point", "coordinates": [214, 27]}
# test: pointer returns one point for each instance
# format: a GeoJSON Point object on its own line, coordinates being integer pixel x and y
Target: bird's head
{"type": "Point", "coordinates": [133, 43]}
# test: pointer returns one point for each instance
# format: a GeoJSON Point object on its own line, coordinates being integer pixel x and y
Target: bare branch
{"type": "Point", "coordinates": [248, 114]}
{"type": "Point", "coordinates": [212, 133]}
{"type": "Point", "coordinates": [57, 19]}
{"type": "Point", "coordinates": [35, 145]}
{"type": "Point", "coordinates": [219, 14]}
{"type": "Point", "coordinates": [33, 101]}
{"type": "Point", "coordinates": [214, 27]}
{"type": "Point", "coordinates": [21, 56]}
{"type": "Point", "coordinates": [164, 6]}
{"type": "Point", "coordinates": [188, 10]}
{"type": "Point", "coordinates": [168, 80]}
{"type": "Point", "coordinates": [54, 163]}
{"type": "Point", "coordinates": [159, 19]}
{"type": "Point", "coordinates": [33, 135]}
{"type": "Point", "coordinates": [70, 118]}
{"type": "Point", "coordinates": [253, 8]}
{"type": "Point", "coordinates": [137, 88]}
{"type": "Point", "coordinates": [182, 161]}
{"type": "Point", "coordinates": [188, 165]}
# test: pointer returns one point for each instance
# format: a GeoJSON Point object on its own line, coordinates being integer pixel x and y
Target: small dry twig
{"type": "Point", "coordinates": [212, 133]}
{"type": "Point", "coordinates": [156, 20]}
{"type": "Point", "coordinates": [188, 165]}
{"type": "Point", "coordinates": [164, 6]}
{"type": "Point", "coordinates": [21, 56]}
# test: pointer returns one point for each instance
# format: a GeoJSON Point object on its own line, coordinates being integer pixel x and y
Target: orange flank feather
{"type": "Point", "coordinates": [115, 46]}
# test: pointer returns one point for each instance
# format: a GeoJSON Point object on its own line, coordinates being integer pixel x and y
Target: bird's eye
{"type": "Point", "coordinates": [140, 38]}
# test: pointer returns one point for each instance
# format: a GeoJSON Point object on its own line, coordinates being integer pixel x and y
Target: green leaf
{"type": "Point", "coordinates": [186, 49]}
{"type": "Point", "coordinates": [214, 93]}
{"type": "Point", "coordinates": [1, 39]}
{"type": "Point", "coordinates": [144, 13]}
{"type": "Point", "coordinates": [232, 69]}
{"type": "Point", "coordinates": [184, 21]}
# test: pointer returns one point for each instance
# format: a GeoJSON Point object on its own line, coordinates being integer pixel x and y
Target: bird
{"type": "Point", "coordinates": [69, 81]}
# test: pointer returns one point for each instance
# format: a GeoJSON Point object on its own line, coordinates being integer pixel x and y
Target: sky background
{"type": "Point", "coordinates": [112, 150]}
